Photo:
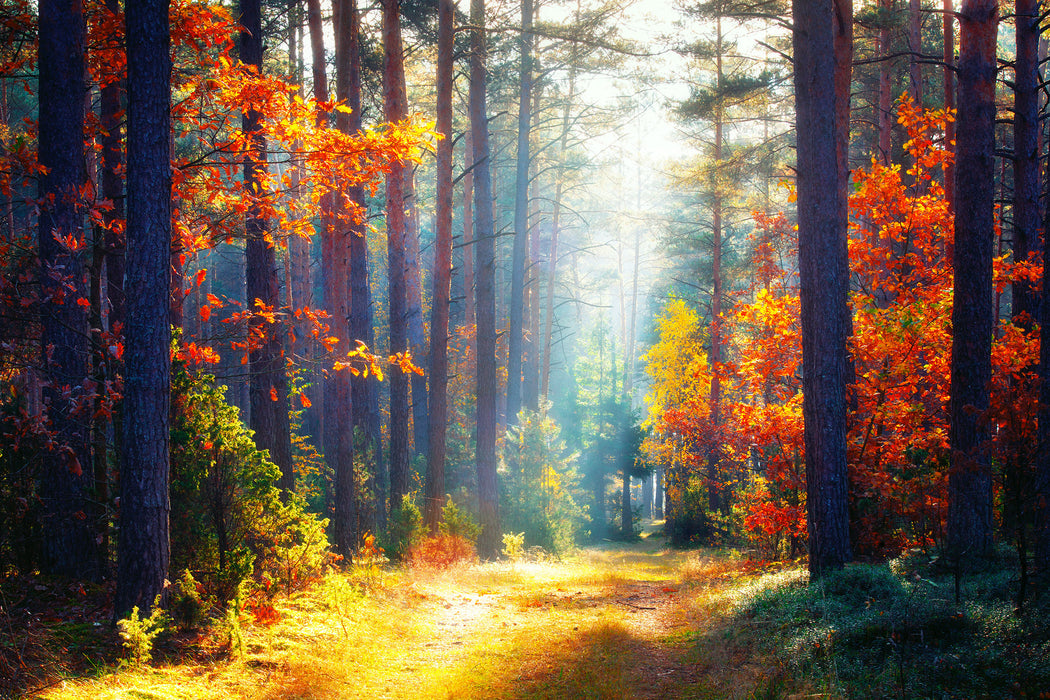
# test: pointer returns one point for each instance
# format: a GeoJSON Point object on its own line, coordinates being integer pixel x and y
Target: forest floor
{"type": "Point", "coordinates": [619, 620]}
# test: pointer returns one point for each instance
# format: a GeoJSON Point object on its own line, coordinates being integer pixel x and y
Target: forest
{"type": "Point", "coordinates": [410, 349]}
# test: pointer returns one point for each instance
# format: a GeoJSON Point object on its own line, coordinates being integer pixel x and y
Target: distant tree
{"type": "Point", "coordinates": [485, 257]}
{"type": "Point", "coordinates": [269, 381]}
{"type": "Point", "coordinates": [144, 548]}
{"type": "Point", "coordinates": [823, 273]}
{"type": "Point", "coordinates": [521, 218]}
{"type": "Point", "coordinates": [441, 298]}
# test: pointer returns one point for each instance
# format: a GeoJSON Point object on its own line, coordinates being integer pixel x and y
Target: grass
{"type": "Point", "coordinates": [620, 621]}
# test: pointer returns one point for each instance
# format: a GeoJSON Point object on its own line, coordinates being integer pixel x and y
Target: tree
{"type": "Point", "coordinates": [442, 272]}
{"type": "Point", "coordinates": [521, 219]}
{"type": "Point", "coordinates": [65, 485]}
{"type": "Point", "coordinates": [144, 547]}
{"type": "Point", "coordinates": [337, 400]}
{"type": "Point", "coordinates": [1026, 150]}
{"type": "Point", "coordinates": [394, 110]}
{"type": "Point", "coordinates": [969, 524]}
{"type": "Point", "coordinates": [269, 381]}
{"type": "Point", "coordinates": [485, 258]}
{"type": "Point", "coordinates": [823, 274]}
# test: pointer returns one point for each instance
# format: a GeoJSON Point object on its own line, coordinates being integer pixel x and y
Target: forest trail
{"type": "Point", "coordinates": [618, 620]}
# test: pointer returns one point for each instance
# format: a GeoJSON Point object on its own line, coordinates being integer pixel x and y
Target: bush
{"type": "Point", "coordinates": [458, 523]}
{"type": "Point", "coordinates": [227, 520]}
{"type": "Point", "coordinates": [138, 634]}
{"type": "Point", "coordinates": [186, 603]}
{"type": "Point", "coordinates": [538, 484]}
{"type": "Point", "coordinates": [441, 552]}
{"type": "Point", "coordinates": [405, 526]}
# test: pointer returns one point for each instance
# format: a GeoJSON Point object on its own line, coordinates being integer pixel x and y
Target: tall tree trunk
{"type": "Point", "coordinates": [548, 319]}
{"type": "Point", "coordinates": [394, 110]}
{"type": "Point", "coordinates": [144, 505]}
{"type": "Point", "coordinates": [269, 383]}
{"type": "Point", "coordinates": [344, 516]}
{"type": "Point", "coordinates": [441, 298]}
{"type": "Point", "coordinates": [823, 274]}
{"type": "Point", "coordinates": [885, 106]}
{"type": "Point", "coordinates": [485, 248]}
{"type": "Point", "coordinates": [66, 481]}
{"type": "Point", "coordinates": [1026, 151]}
{"type": "Point", "coordinates": [948, 23]}
{"type": "Point", "coordinates": [915, 46]}
{"type": "Point", "coordinates": [521, 219]}
{"type": "Point", "coordinates": [414, 325]}
{"type": "Point", "coordinates": [715, 399]}
{"type": "Point", "coordinates": [469, 162]}
{"type": "Point", "coordinates": [973, 316]}
{"type": "Point", "coordinates": [361, 387]}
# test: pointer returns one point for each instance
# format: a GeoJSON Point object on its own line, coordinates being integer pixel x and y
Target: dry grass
{"type": "Point", "coordinates": [617, 621]}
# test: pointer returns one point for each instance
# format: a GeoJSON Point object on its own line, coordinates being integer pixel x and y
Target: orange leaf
{"type": "Point", "coordinates": [304, 401]}
{"type": "Point", "coordinates": [273, 394]}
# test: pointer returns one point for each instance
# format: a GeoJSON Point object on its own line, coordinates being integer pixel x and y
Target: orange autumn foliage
{"type": "Point", "coordinates": [899, 244]}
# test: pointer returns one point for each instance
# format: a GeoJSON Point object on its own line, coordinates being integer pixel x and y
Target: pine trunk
{"type": "Point", "coordinates": [394, 110]}
{"type": "Point", "coordinates": [973, 316]}
{"type": "Point", "coordinates": [485, 248]}
{"type": "Point", "coordinates": [144, 505]}
{"type": "Point", "coordinates": [823, 275]}
{"type": "Point", "coordinates": [268, 390]}
{"type": "Point", "coordinates": [67, 478]}
{"type": "Point", "coordinates": [442, 272]}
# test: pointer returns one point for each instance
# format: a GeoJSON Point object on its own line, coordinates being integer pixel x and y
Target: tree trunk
{"type": "Point", "coordinates": [485, 248]}
{"type": "Point", "coordinates": [521, 219]}
{"type": "Point", "coordinates": [66, 481]}
{"type": "Point", "coordinates": [469, 161]}
{"type": "Point", "coordinates": [336, 280]}
{"type": "Point", "coordinates": [442, 272]}
{"type": "Point", "coordinates": [973, 316]}
{"type": "Point", "coordinates": [394, 110]}
{"type": "Point", "coordinates": [823, 275]}
{"type": "Point", "coordinates": [915, 46]}
{"type": "Point", "coordinates": [949, 96]}
{"type": "Point", "coordinates": [361, 387]}
{"type": "Point", "coordinates": [1026, 152]}
{"type": "Point", "coordinates": [144, 506]}
{"type": "Point", "coordinates": [885, 106]}
{"type": "Point", "coordinates": [269, 383]}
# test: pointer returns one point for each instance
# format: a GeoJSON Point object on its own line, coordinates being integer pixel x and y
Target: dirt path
{"type": "Point", "coordinates": [615, 621]}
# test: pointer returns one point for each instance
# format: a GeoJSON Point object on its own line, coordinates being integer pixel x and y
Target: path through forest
{"type": "Point", "coordinates": [613, 621]}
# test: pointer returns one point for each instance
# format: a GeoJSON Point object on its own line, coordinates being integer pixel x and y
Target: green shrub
{"type": "Point", "coordinates": [138, 634]}
{"type": "Point", "coordinates": [539, 484]}
{"type": "Point", "coordinates": [186, 603]}
{"type": "Point", "coordinates": [405, 526]}
{"type": "Point", "coordinates": [458, 523]}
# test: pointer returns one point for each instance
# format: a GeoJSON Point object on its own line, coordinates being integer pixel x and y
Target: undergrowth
{"type": "Point", "coordinates": [890, 630]}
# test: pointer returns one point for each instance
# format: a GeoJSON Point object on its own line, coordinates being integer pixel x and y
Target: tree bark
{"type": "Point", "coordinates": [394, 110]}
{"type": "Point", "coordinates": [973, 316]}
{"type": "Point", "coordinates": [441, 299]}
{"type": "Point", "coordinates": [361, 387]}
{"type": "Point", "coordinates": [144, 505]}
{"type": "Point", "coordinates": [949, 96]}
{"type": "Point", "coordinates": [521, 219]}
{"type": "Point", "coordinates": [269, 384]}
{"type": "Point", "coordinates": [485, 248]}
{"type": "Point", "coordinates": [468, 230]}
{"type": "Point", "coordinates": [1026, 152]}
{"type": "Point", "coordinates": [336, 280]}
{"type": "Point", "coordinates": [823, 274]}
{"type": "Point", "coordinates": [66, 481]}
